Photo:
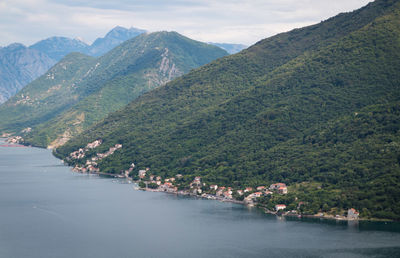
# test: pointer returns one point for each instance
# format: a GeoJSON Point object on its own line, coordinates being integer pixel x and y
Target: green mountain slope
{"type": "Point", "coordinates": [230, 121]}
{"type": "Point", "coordinates": [111, 81]}
{"type": "Point", "coordinates": [358, 154]}
{"type": "Point", "coordinates": [46, 96]}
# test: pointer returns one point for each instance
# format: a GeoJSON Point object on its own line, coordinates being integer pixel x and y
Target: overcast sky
{"type": "Point", "coordinates": [233, 21]}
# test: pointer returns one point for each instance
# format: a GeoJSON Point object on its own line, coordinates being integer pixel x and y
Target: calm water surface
{"type": "Point", "coordinates": [48, 211]}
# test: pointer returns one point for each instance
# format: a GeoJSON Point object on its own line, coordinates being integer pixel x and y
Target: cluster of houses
{"type": "Point", "coordinates": [167, 186]}
{"type": "Point", "coordinates": [79, 154]}
{"type": "Point", "coordinates": [94, 144]}
{"type": "Point", "coordinates": [91, 165]}
{"type": "Point", "coordinates": [25, 100]}
{"type": "Point", "coordinates": [27, 130]}
{"type": "Point", "coordinates": [352, 214]}
{"type": "Point", "coordinates": [197, 187]}
{"type": "Point", "coordinates": [279, 188]}
{"type": "Point", "coordinates": [15, 139]}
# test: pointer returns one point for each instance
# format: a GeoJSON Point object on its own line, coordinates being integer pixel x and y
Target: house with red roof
{"type": "Point", "coordinates": [280, 207]}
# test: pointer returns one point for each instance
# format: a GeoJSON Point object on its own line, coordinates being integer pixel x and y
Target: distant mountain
{"type": "Point", "coordinates": [58, 47]}
{"type": "Point", "coordinates": [230, 48]}
{"type": "Point", "coordinates": [20, 65]}
{"type": "Point", "coordinates": [80, 90]}
{"type": "Point", "coordinates": [316, 108]}
{"type": "Point", "coordinates": [113, 38]}
{"type": "Point", "coordinates": [48, 95]}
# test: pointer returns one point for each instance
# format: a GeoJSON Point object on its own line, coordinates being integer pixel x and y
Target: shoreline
{"type": "Point", "coordinates": [218, 198]}
{"type": "Point", "coordinates": [182, 193]}
{"type": "Point", "coordinates": [213, 197]}
{"type": "Point", "coordinates": [223, 199]}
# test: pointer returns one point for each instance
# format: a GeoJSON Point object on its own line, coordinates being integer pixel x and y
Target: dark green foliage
{"type": "Point", "coordinates": [281, 111]}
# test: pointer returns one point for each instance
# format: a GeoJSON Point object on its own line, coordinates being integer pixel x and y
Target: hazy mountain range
{"type": "Point", "coordinates": [230, 48]}
{"type": "Point", "coordinates": [20, 65]}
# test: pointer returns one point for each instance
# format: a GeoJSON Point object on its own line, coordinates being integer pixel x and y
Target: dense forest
{"type": "Point", "coordinates": [316, 108]}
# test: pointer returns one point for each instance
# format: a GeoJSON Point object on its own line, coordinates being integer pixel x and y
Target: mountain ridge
{"type": "Point", "coordinates": [223, 120]}
{"type": "Point", "coordinates": [42, 55]}
{"type": "Point", "coordinates": [18, 66]}
{"type": "Point", "coordinates": [102, 85]}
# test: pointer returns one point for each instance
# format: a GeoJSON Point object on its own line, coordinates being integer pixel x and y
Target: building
{"type": "Point", "coordinates": [220, 191]}
{"type": "Point", "coordinates": [352, 214]}
{"type": "Point", "coordinates": [214, 187]}
{"type": "Point", "coordinates": [277, 186]}
{"type": "Point", "coordinates": [142, 173]}
{"type": "Point", "coordinates": [94, 144]}
{"type": "Point", "coordinates": [248, 189]}
{"type": "Point", "coordinates": [282, 190]}
{"type": "Point", "coordinates": [260, 188]}
{"type": "Point", "coordinates": [168, 185]}
{"type": "Point", "coordinates": [280, 207]}
{"type": "Point", "coordinates": [257, 194]}
{"type": "Point", "coordinates": [196, 181]}
{"type": "Point", "coordinates": [228, 194]}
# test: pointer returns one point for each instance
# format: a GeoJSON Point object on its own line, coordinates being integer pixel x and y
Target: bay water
{"type": "Point", "coordinates": [48, 211]}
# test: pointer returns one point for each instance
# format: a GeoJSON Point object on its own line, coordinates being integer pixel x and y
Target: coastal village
{"type": "Point", "coordinates": [149, 182]}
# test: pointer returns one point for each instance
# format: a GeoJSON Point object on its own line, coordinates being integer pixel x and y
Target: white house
{"type": "Point", "coordinates": [214, 187]}
{"type": "Point", "coordinates": [280, 207]}
{"type": "Point", "coordinates": [142, 173]}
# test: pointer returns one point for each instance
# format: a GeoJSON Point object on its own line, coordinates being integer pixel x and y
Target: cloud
{"type": "Point", "coordinates": [236, 21]}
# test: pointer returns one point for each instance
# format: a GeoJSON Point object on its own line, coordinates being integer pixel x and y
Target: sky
{"type": "Point", "coordinates": [232, 21]}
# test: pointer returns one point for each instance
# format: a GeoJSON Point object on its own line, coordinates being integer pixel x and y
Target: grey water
{"type": "Point", "coordinates": [48, 211]}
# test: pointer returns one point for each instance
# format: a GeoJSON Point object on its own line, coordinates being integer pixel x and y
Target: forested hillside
{"type": "Point", "coordinates": [315, 108]}
{"type": "Point", "coordinates": [46, 96]}
{"type": "Point", "coordinates": [75, 93]}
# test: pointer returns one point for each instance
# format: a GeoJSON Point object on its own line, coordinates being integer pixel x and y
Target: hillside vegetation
{"type": "Point", "coordinates": [81, 90]}
{"type": "Point", "coordinates": [316, 106]}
